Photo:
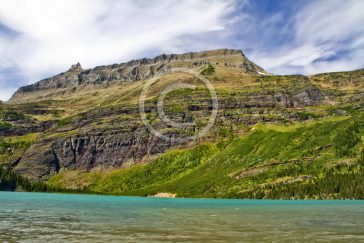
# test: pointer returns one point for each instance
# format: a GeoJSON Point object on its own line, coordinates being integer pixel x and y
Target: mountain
{"type": "Point", "coordinates": [76, 79]}
{"type": "Point", "coordinates": [274, 136]}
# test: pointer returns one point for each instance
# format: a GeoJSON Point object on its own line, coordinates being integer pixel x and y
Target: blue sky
{"type": "Point", "coordinates": [41, 38]}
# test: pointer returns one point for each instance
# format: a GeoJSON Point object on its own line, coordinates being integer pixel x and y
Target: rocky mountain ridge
{"type": "Point", "coordinates": [77, 78]}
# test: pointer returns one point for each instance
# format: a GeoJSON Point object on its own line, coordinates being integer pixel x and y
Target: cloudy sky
{"type": "Point", "coordinates": [40, 38]}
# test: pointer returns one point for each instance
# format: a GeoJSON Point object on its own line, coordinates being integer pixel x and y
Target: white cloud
{"type": "Point", "coordinates": [300, 56]}
{"type": "Point", "coordinates": [55, 34]}
{"type": "Point", "coordinates": [321, 29]}
{"type": "Point", "coordinates": [332, 20]}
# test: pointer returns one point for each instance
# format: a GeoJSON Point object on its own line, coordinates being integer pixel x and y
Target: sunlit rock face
{"type": "Point", "coordinates": [77, 78]}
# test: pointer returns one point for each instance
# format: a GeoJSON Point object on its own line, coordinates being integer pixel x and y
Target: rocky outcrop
{"type": "Point", "coordinates": [164, 195]}
{"type": "Point", "coordinates": [76, 67]}
{"type": "Point", "coordinates": [88, 151]}
{"type": "Point", "coordinates": [76, 77]}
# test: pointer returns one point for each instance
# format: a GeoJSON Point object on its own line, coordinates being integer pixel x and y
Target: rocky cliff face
{"type": "Point", "coordinates": [77, 78]}
{"type": "Point", "coordinates": [86, 151]}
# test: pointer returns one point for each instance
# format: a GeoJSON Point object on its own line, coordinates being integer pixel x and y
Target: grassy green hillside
{"type": "Point", "coordinates": [321, 159]}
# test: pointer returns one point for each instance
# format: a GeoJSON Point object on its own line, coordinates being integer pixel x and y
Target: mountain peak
{"type": "Point", "coordinates": [140, 69]}
{"type": "Point", "coordinates": [75, 67]}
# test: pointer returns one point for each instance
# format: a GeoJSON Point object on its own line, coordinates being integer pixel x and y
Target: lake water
{"type": "Point", "coordinates": [43, 217]}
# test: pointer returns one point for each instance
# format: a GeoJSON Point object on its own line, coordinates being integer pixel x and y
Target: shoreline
{"type": "Point", "coordinates": [171, 195]}
{"type": "Point", "coordinates": [164, 195]}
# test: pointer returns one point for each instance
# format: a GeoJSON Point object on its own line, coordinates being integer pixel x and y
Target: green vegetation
{"type": "Point", "coordinates": [346, 138]}
{"type": "Point", "coordinates": [333, 185]}
{"type": "Point", "coordinates": [169, 167]}
{"type": "Point", "coordinates": [267, 163]}
{"type": "Point", "coordinates": [13, 147]}
{"type": "Point", "coordinates": [5, 125]}
{"type": "Point", "coordinates": [208, 70]}
{"type": "Point", "coordinates": [13, 116]}
{"type": "Point", "coordinates": [65, 121]}
{"type": "Point", "coordinates": [10, 181]}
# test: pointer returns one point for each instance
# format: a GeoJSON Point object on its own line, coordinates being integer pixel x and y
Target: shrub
{"type": "Point", "coordinates": [209, 70]}
{"type": "Point", "coordinates": [13, 116]}
{"type": "Point", "coordinates": [5, 125]}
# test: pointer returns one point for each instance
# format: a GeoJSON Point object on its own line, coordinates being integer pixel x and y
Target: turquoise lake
{"type": "Point", "coordinates": [43, 217]}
